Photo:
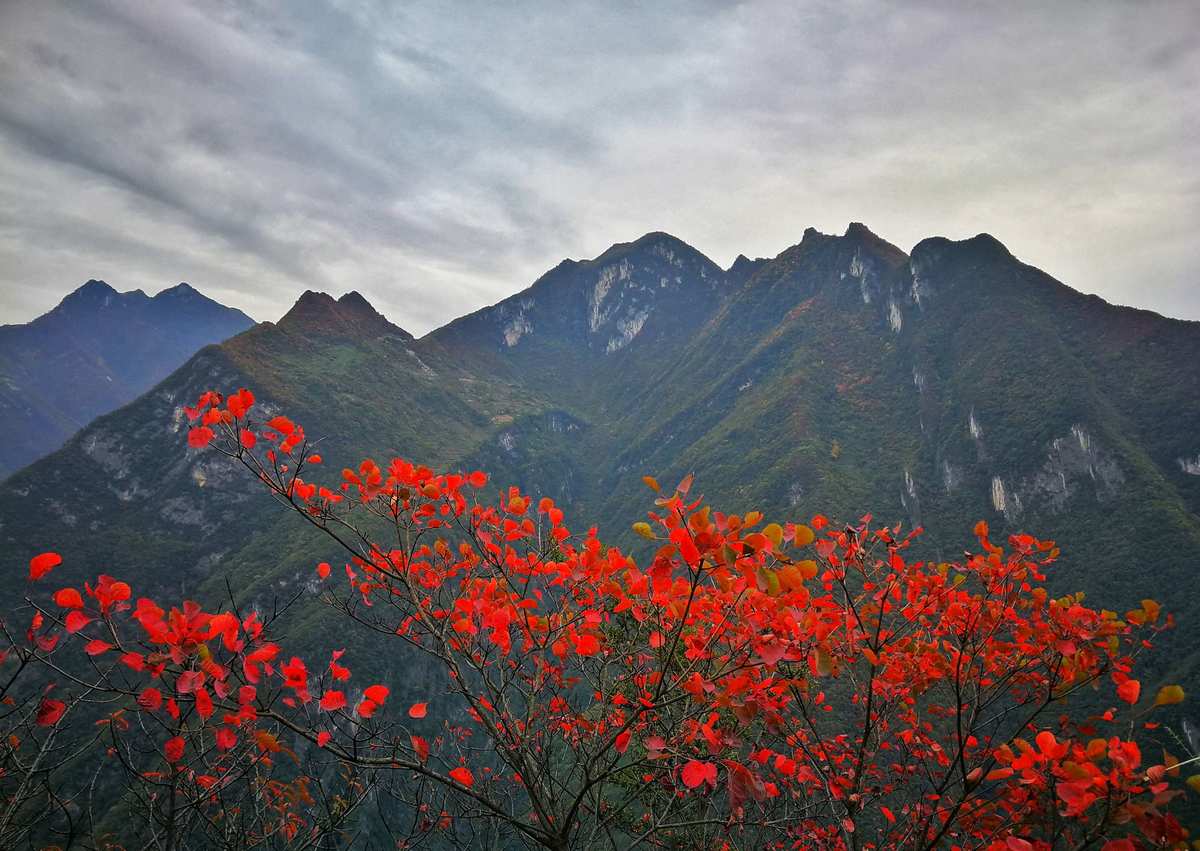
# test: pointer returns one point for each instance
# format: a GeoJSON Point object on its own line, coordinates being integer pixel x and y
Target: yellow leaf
{"type": "Point", "coordinates": [769, 581]}
{"type": "Point", "coordinates": [1168, 695]}
{"type": "Point", "coordinates": [1194, 782]}
{"type": "Point", "coordinates": [1151, 609]}
{"type": "Point", "coordinates": [804, 535]}
{"type": "Point", "coordinates": [775, 532]}
{"type": "Point", "coordinates": [808, 568]}
{"type": "Point", "coordinates": [751, 518]}
{"type": "Point", "coordinates": [644, 530]}
{"type": "Point", "coordinates": [824, 663]}
{"type": "Point", "coordinates": [651, 483]}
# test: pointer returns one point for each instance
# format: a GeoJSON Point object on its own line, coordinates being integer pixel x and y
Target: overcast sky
{"type": "Point", "coordinates": [438, 157]}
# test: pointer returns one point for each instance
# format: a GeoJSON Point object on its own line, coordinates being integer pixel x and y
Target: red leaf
{"type": "Point", "coordinates": [42, 564]}
{"type": "Point", "coordinates": [50, 711]}
{"type": "Point", "coordinates": [695, 773]}
{"type": "Point", "coordinates": [204, 704]}
{"type": "Point", "coordinates": [76, 620]}
{"type": "Point", "coordinates": [463, 776]}
{"type": "Point", "coordinates": [95, 647]}
{"type": "Point", "coordinates": [417, 710]}
{"type": "Point", "coordinates": [421, 747]}
{"type": "Point", "coordinates": [622, 741]}
{"type": "Point", "coordinates": [173, 749]}
{"type": "Point", "coordinates": [189, 681]}
{"type": "Point", "coordinates": [587, 645]}
{"type": "Point", "coordinates": [226, 739]}
{"type": "Point", "coordinates": [323, 570]}
{"type": "Point", "coordinates": [323, 739]}
{"type": "Point", "coordinates": [376, 694]}
{"type": "Point", "coordinates": [200, 436]}
{"type": "Point", "coordinates": [150, 699]}
{"type": "Point", "coordinates": [332, 700]}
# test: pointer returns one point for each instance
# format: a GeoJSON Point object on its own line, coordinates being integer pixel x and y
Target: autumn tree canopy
{"type": "Point", "coordinates": [731, 683]}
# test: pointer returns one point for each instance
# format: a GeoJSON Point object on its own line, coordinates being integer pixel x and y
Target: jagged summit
{"type": "Point", "coordinates": [858, 239]}
{"type": "Point", "coordinates": [350, 315]}
{"type": "Point", "coordinates": [743, 268]}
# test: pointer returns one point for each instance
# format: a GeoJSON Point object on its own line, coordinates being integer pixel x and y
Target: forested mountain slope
{"type": "Point", "coordinates": [843, 376]}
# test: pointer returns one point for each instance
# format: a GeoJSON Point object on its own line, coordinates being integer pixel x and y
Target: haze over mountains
{"type": "Point", "coordinates": [95, 351]}
{"type": "Point", "coordinates": [844, 376]}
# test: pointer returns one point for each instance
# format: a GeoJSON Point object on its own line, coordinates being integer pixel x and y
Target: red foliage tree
{"type": "Point", "coordinates": [744, 685]}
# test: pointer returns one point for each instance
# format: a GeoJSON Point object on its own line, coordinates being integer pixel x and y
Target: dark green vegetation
{"type": "Point", "coordinates": [96, 351]}
{"type": "Point", "coordinates": [841, 377]}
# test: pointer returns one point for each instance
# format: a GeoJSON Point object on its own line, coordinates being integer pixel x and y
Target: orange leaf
{"type": "Point", "coordinates": [1168, 695]}
{"type": "Point", "coordinates": [68, 598]}
{"type": "Point", "coordinates": [1129, 691]}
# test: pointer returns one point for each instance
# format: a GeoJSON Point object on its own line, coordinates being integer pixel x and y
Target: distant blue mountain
{"type": "Point", "coordinates": [94, 352]}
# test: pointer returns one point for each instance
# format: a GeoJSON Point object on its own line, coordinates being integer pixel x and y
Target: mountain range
{"type": "Point", "coordinates": [94, 352]}
{"type": "Point", "coordinates": [935, 387]}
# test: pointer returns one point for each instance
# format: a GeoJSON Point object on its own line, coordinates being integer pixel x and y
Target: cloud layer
{"type": "Point", "coordinates": [438, 157]}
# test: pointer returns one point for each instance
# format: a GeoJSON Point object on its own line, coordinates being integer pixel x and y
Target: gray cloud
{"type": "Point", "coordinates": [439, 157]}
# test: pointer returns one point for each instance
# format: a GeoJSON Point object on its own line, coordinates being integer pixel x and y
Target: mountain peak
{"type": "Point", "coordinates": [94, 290]}
{"type": "Point", "coordinates": [180, 290]}
{"type": "Point", "coordinates": [659, 243]}
{"type": "Point", "coordinates": [94, 295]}
{"type": "Point", "coordinates": [743, 268]}
{"type": "Point", "coordinates": [983, 245]}
{"type": "Point", "coordinates": [351, 315]}
{"type": "Point", "coordinates": [95, 286]}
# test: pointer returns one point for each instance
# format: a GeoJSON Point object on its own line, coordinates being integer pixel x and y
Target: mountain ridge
{"type": "Point", "coordinates": [937, 388]}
